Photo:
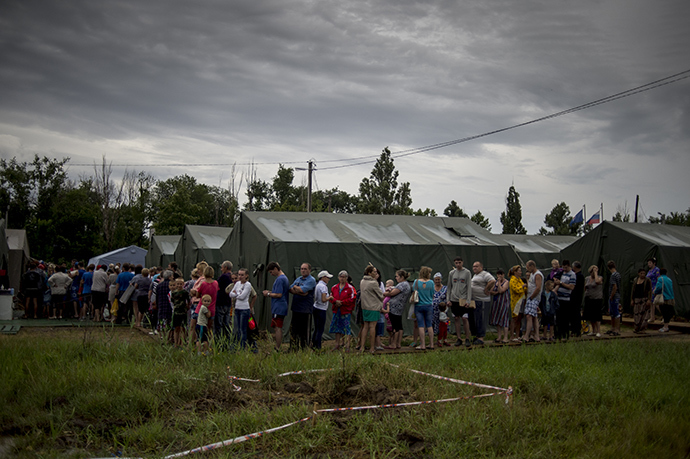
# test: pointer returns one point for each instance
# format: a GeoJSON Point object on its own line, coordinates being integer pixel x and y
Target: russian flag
{"type": "Point", "coordinates": [578, 218]}
{"type": "Point", "coordinates": [596, 218]}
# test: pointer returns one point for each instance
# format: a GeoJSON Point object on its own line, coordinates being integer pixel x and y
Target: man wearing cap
{"type": "Point", "coordinates": [321, 300]}
{"type": "Point", "coordinates": [302, 290]}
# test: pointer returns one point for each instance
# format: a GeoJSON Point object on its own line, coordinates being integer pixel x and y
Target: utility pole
{"type": "Point", "coordinates": [637, 204]}
{"type": "Point", "coordinates": [311, 169]}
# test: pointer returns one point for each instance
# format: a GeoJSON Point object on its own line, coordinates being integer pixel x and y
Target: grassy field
{"type": "Point", "coordinates": [104, 392]}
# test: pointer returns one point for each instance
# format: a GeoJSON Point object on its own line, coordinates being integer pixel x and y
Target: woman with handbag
{"type": "Point", "coordinates": [664, 298]}
{"type": "Point", "coordinates": [641, 300]}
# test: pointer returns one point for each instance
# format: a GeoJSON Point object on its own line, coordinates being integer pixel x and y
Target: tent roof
{"type": "Point", "coordinates": [128, 254]}
{"type": "Point", "coordinates": [16, 240]}
{"type": "Point", "coordinates": [211, 237]}
{"type": "Point", "coordinates": [524, 243]}
{"type": "Point", "coordinates": [166, 244]}
{"type": "Point", "coordinates": [373, 229]}
{"type": "Point", "coordinates": [661, 235]}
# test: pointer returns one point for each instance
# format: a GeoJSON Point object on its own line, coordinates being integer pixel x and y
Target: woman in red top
{"type": "Point", "coordinates": [343, 302]}
{"type": "Point", "coordinates": [207, 286]}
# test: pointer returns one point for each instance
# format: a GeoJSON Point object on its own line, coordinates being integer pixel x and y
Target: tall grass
{"type": "Point", "coordinates": [100, 395]}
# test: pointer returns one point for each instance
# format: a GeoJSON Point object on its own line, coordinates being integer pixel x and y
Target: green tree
{"type": "Point", "coordinates": [425, 212]}
{"type": "Point", "coordinates": [28, 192]}
{"type": "Point", "coordinates": [511, 219]}
{"type": "Point", "coordinates": [621, 217]}
{"type": "Point", "coordinates": [380, 193]}
{"type": "Point", "coordinates": [75, 225]}
{"type": "Point", "coordinates": [15, 192]}
{"type": "Point", "coordinates": [454, 210]}
{"type": "Point", "coordinates": [481, 220]}
{"type": "Point", "coordinates": [559, 221]}
{"type": "Point", "coordinates": [286, 197]}
{"type": "Point", "coordinates": [674, 218]}
{"type": "Point", "coordinates": [180, 201]}
{"type": "Point", "coordinates": [334, 200]}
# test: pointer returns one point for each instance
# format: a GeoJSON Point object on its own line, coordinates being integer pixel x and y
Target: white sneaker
{"type": "Point", "coordinates": [598, 335]}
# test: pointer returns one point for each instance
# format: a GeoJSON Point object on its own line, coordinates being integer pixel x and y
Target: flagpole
{"type": "Point", "coordinates": [601, 217]}
{"type": "Point", "coordinates": [584, 215]}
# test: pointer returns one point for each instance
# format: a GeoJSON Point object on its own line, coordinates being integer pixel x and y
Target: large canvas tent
{"type": "Point", "coordinates": [132, 255]}
{"type": "Point", "coordinates": [630, 245]}
{"type": "Point", "coordinates": [4, 256]}
{"type": "Point", "coordinates": [18, 255]}
{"type": "Point", "coordinates": [162, 250]}
{"type": "Point", "coordinates": [541, 249]}
{"type": "Point", "coordinates": [346, 241]}
{"type": "Point", "coordinates": [201, 243]}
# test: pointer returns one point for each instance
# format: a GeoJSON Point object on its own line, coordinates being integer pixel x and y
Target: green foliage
{"type": "Point", "coordinates": [334, 200]}
{"type": "Point", "coordinates": [481, 220]}
{"type": "Point", "coordinates": [258, 195]}
{"type": "Point", "coordinates": [425, 212]}
{"type": "Point", "coordinates": [380, 193]}
{"type": "Point", "coordinates": [559, 221]}
{"type": "Point", "coordinates": [454, 210]}
{"type": "Point", "coordinates": [181, 201]}
{"type": "Point", "coordinates": [621, 217]}
{"type": "Point", "coordinates": [511, 219]}
{"type": "Point", "coordinates": [675, 218]}
{"type": "Point", "coordinates": [74, 228]}
{"type": "Point", "coordinates": [29, 192]}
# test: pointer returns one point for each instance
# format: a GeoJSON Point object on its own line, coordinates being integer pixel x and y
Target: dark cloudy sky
{"type": "Point", "coordinates": [217, 82]}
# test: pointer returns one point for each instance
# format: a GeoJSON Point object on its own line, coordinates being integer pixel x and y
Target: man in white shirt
{"type": "Point", "coordinates": [321, 301]}
{"type": "Point", "coordinates": [482, 283]}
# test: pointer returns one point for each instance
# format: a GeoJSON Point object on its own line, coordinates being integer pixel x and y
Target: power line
{"type": "Point", "coordinates": [367, 159]}
{"type": "Point", "coordinates": [646, 87]}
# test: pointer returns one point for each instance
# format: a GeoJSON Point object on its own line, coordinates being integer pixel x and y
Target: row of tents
{"type": "Point", "coordinates": [345, 241]}
{"type": "Point", "coordinates": [390, 242]}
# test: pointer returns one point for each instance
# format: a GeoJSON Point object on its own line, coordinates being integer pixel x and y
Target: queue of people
{"type": "Point", "coordinates": [521, 308]}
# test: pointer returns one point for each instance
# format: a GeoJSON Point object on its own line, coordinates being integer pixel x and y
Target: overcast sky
{"type": "Point", "coordinates": [217, 82]}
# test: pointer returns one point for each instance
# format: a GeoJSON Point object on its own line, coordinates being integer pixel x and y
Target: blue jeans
{"type": "Point", "coordinates": [241, 326]}
{"type": "Point", "coordinates": [319, 324]}
{"type": "Point", "coordinates": [479, 322]}
{"type": "Point", "coordinates": [424, 314]}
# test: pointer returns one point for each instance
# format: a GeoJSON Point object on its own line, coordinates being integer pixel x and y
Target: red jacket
{"type": "Point", "coordinates": [347, 297]}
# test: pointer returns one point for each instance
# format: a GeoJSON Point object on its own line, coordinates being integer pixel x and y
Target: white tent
{"type": "Point", "coordinates": [131, 254]}
{"type": "Point", "coordinates": [19, 255]}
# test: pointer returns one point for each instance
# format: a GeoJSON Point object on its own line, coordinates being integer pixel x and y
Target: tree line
{"type": "Point", "coordinates": [66, 219]}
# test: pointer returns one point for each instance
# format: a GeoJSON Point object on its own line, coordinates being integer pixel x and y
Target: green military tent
{"type": "Point", "coordinates": [346, 241]}
{"type": "Point", "coordinates": [162, 250]}
{"type": "Point", "coordinates": [18, 255]}
{"type": "Point", "coordinates": [4, 256]}
{"type": "Point", "coordinates": [630, 245]}
{"type": "Point", "coordinates": [201, 243]}
{"type": "Point", "coordinates": [541, 249]}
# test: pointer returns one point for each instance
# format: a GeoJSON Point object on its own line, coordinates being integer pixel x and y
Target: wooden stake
{"type": "Point", "coordinates": [313, 419]}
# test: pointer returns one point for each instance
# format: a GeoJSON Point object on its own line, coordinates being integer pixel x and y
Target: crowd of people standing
{"type": "Point", "coordinates": [202, 308]}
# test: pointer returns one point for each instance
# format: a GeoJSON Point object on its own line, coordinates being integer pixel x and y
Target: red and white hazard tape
{"type": "Point", "coordinates": [498, 391]}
